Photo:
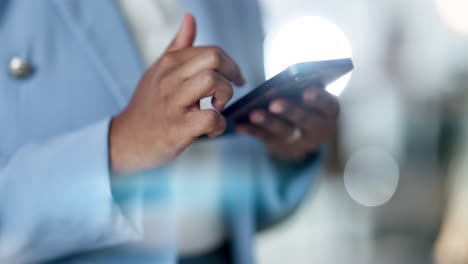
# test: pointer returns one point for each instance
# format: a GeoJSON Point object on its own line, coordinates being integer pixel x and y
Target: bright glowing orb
{"type": "Point", "coordinates": [454, 13]}
{"type": "Point", "coordinates": [307, 39]}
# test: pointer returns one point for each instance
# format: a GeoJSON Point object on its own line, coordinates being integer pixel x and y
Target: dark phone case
{"type": "Point", "coordinates": [288, 84]}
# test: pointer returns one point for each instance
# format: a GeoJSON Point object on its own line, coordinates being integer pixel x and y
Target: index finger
{"type": "Point", "coordinates": [322, 101]}
{"type": "Point", "coordinates": [210, 58]}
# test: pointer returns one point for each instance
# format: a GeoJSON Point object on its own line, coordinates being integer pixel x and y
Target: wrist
{"type": "Point", "coordinates": [120, 157]}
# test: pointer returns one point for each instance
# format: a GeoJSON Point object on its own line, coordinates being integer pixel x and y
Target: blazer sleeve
{"type": "Point", "coordinates": [56, 199]}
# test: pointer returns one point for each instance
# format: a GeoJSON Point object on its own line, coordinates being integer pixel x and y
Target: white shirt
{"type": "Point", "coordinates": [196, 173]}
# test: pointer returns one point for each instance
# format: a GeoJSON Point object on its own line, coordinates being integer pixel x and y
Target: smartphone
{"type": "Point", "coordinates": [289, 84]}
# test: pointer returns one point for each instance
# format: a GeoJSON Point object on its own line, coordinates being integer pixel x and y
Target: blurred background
{"type": "Point", "coordinates": [395, 186]}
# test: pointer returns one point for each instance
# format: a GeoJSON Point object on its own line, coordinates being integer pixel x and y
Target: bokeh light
{"type": "Point", "coordinates": [454, 13]}
{"type": "Point", "coordinates": [307, 39]}
{"type": "Point", "coordinates": [371, 176]}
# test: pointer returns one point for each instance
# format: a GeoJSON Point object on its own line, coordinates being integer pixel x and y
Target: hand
{"type": "Point", "coordinates": [294, 130]}
{"type": "Point", "coordinates": [163, 117]}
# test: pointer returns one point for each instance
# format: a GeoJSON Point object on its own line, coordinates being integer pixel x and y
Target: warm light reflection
{"type": "Point", "coordinates": [454, 13]}
{"type": "Point", "coordinates": [307, 39]}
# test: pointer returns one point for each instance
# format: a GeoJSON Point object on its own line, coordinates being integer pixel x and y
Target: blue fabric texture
{"type": "Point", "coordinates": [57, 199]}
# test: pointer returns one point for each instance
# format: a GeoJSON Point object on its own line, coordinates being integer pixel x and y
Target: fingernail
{"type": "Point", "coordinates": [257, 117]}
{"type": "Point", "coordinates": [276, 108]}
{"type": "Point", "coordinates": [242, 80]}
{"type": "Point", "coordinates": [218, 104]}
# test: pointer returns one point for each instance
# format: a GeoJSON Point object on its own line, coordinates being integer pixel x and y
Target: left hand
{"type": "Point", "coordinates": [293, 130]}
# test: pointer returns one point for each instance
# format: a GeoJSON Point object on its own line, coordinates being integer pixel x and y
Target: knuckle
{"type": "Point", "coordinates": [209, 78]}
{"type": "Point", "coordinates": [224, 92]}
{"type": "Point", "coordinates": [229, 92]}
{"type": "Point", "coordinates": [219, 128]}
{"type": "Point", "coordinates": [214, 56]}
{"type": "Point", "coordinates": [167, 60]}
{"type": "Point", "coordinates": [216, 49]}
{"type": "Point", "coordinates": [210, 118]}
{"type": "Point", "coordinates": [223, 125]}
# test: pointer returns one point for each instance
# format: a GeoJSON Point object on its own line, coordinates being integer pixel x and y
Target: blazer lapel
{"type": "Point", "coordinates": [103, 33]}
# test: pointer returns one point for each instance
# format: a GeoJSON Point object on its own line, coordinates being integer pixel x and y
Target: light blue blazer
{"type": "Point", "coordinates": [56, 195]}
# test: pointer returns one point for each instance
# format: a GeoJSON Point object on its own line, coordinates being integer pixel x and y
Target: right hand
{"type": "Point", "coordinates": [163, 117]}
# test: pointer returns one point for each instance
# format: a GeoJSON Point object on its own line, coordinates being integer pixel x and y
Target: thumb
{"type": "Point", "coordinates": [186, 34]}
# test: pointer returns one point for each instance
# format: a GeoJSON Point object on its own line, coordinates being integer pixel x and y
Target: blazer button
{"type": "Point", "coordinates": [19, 68]}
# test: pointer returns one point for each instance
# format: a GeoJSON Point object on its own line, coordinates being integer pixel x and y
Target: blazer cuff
{"type": "Point", "coordinates": [56, 198]}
